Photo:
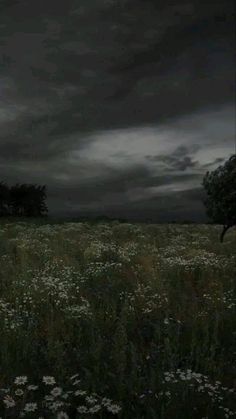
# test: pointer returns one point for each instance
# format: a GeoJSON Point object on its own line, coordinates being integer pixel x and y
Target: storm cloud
{"type": "Point", "coordinates": [120, 107]}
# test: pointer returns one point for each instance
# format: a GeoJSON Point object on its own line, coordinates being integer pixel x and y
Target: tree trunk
{"type": "Point", "coordinates": [225, 228]}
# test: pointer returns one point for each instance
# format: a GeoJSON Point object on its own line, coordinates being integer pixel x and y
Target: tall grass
{"type": "Point", "coordinates": [144, 314]}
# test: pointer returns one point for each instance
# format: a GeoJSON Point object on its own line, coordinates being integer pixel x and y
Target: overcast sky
{"type": "Point", "coordinates": [119, 106]}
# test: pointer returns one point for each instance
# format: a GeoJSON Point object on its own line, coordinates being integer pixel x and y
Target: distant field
{"type": "Point", "coordinates": [117, 320]}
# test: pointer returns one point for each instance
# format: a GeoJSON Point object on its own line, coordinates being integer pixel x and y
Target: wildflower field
{"type": "Point", "coordinates": [117, 320]}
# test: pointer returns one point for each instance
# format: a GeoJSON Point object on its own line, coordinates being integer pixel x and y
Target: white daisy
{"type": "Point", "coordinates": [82, 409]}
{"type": "Point", "coordinates": [30, 407]}
{"type": "Point", "coordinates": [80, 392]}
{"type": "Point", "coordinates": [21, 380]}
{"type": "Point", "coordinates": [32, 387]}
{"type": "Point", "coordinates": [19, 392]}
{"type": "Point", "coordinates": [48, 380]}
{"type": "Point", "coordinates": [113, 408]}
{"type": "Point", "coordinates": [56, 391]}
{"type": "Point", "coordinates": [9, 401]}
{"type": "Point", "coordinates": [95, 408]}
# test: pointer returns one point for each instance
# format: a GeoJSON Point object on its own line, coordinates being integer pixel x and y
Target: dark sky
{"type": "Point", "coordinates": [119, 106]}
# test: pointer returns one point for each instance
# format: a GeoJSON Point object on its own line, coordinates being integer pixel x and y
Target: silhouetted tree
{"type": "Point", "coordinates": [17, 200]}
{"type": "Point", "coordinates": [28, 200]}
{"type": "Point", "coordinates": [220, 186]}
{"type": "Point", "coordinates": [39, 207]}
{"type": "Point", "coordinates": [4, 199]}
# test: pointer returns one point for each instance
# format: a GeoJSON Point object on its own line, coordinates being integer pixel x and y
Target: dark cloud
{"type": "Point", "coordinates": [75, 72]}
{"type": "Point", "coordinates": [182, 58]}
{"type": "Point", "coordinates": [178, 160]}
{"type": "Point", "coordinates": [218, 161]}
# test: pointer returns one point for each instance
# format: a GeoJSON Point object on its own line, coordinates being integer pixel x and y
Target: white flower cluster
{"type": "Point", "coordinates": [200, 383]}
{"type": "Point", "coordinates": [50, 397]}
{"type": "Point", "coordinates": [10, 316]}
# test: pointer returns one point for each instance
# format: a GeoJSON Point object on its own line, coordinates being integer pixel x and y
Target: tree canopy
{"type": "Point", "coordinates": [25, 200]}
{"type": "Point", "coordinates": [220, 186]}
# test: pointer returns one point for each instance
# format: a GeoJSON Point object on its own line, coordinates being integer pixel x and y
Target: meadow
{"type": "Point", "coordinates": [117, 320]}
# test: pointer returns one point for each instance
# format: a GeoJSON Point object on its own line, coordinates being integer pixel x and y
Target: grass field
{"type": "Point", "coordinates": [117, 320]}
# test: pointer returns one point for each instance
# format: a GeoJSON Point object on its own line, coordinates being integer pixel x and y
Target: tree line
{"type": "Point", "coordinates": [29, 200]}
{"type": "Point", "coordinates": [26, 200]}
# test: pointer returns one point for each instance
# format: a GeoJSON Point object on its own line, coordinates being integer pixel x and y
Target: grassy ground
{"type": "Point", "coordinates": [117, 320]}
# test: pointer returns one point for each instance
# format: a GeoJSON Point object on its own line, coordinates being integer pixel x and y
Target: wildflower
{"type": "Point", "coordinates": [65, 395]}
{"type": "Point", "coordinates": [106, 401]}
{"type": "Point", "coordinates": [56, 391]}
{"type": "Point", "coordinates": [30, 407]}
{"type": "Point", "coordinates": [74, 376]}
{"type": "Point", "coordinates": [113, 408]}
{"type": "Point", "coordinates": [82, 409]}
{"type": "Point", "coordinates": [49, 398]}
{"type": "Point", "coordinates": [19, 392]}
{"type": "Point", "coordinates": [55, 405]}
{"type": "Point", "coordinates": [9, 401]}
{"type": "Point", "coordinates": [62, 415]}
{"type": "Point", "coordinates": [95, 408]}
{"type": "Point", "coordinates": [32, 387]}
{"type": "Point", "coordinates": [49, 380]}
{"type": "Point", "coordinates": [91, 399]}
{"type": "Point", "coordinates": [21, 380]}
{"type": "Point", "coordinates": [76, 382]}
{"type": "Point", "coordinates": [5, 390]}
{"type": "Point", "coordinates": [80, 392]}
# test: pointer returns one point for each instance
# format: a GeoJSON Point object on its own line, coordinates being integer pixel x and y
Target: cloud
{"type": "Point", "coordinates": [178, 160]}
{"type": "Point", "coordinates": [169, 61]}
{"type": "Point", "coordinates": [128, 170]}
{"type": "Point", "coordinates": [107, 101]}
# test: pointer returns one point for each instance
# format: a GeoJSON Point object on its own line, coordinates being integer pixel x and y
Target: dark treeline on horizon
{"type": "Point", "coordinates": [26, 200]}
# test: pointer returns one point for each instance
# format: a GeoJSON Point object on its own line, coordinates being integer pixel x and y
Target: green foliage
{"type": "Point", "coordinates": [4, 198]}
{"type": "Point", "coordinates": [23, 200]}
{"type": "Point", "coordinates": [220, 186]}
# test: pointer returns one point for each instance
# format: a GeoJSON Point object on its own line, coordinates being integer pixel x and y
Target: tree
{"type": "Point", "coordinates": [4, 199]}
{"type": "Point", "coordinates": [39, 207]}
{"type": "Point", "coordinates": [16, 201]}
{"type": "Point", "coordinates": [28, 200]}
{"type": "Point", "coordinates": [220, 186]}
